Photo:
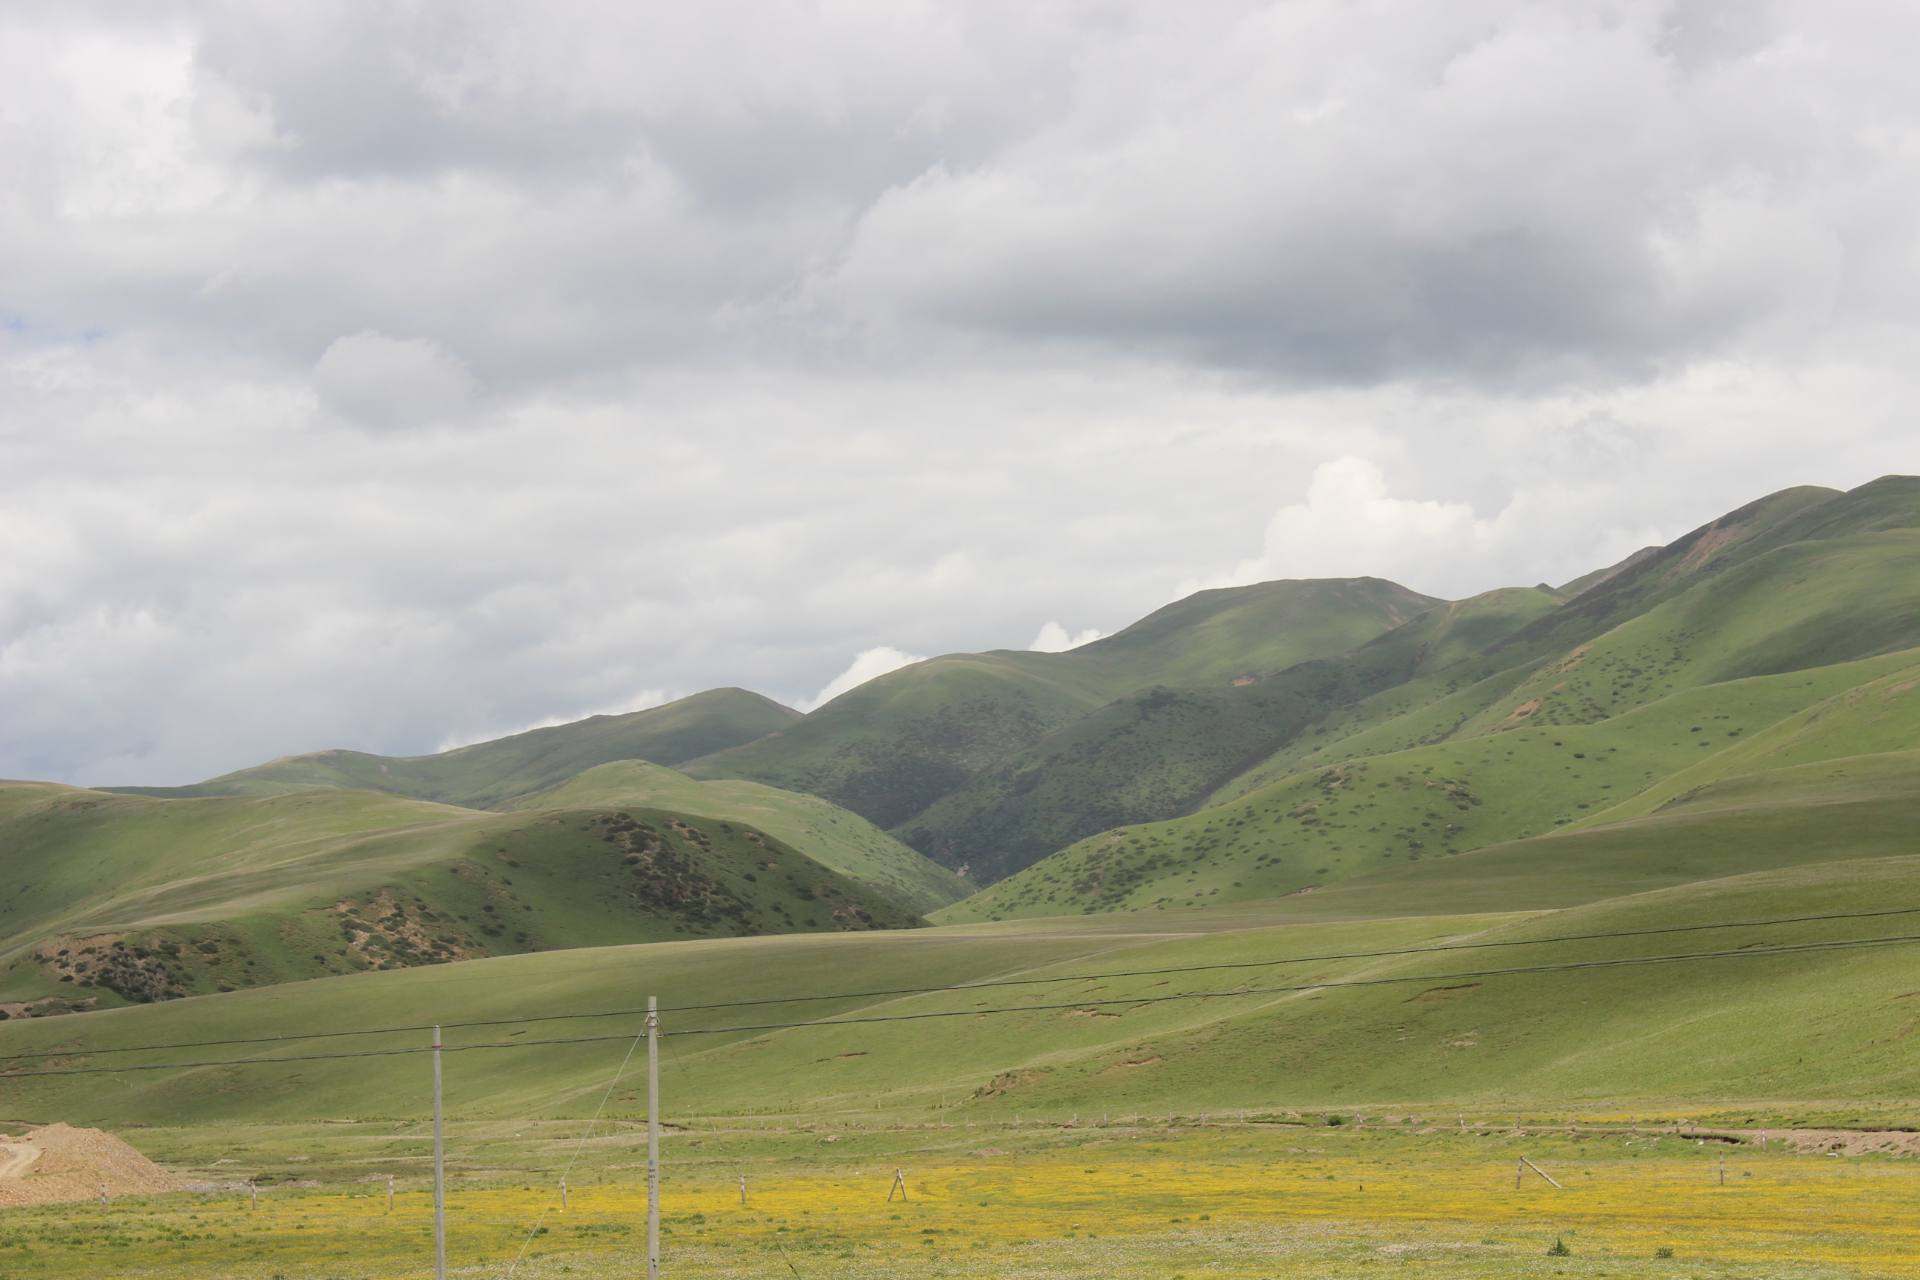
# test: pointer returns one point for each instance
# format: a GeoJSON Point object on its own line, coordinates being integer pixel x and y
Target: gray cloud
{"type": "Point", "coordinates": [756, 339]}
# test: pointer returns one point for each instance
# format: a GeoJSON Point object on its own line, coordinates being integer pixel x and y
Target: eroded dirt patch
{"type": "Point", "coordinates": [1846, 1142]}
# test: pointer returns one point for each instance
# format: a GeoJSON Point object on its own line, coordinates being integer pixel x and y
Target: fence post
{"type": "Point", "coordinates": [653, 1138]}
{"type": "Point", "coordinates": [439, 1171]}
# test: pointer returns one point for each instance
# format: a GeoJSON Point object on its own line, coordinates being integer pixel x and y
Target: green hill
{"type": "Point", "coordinates": [106, 898]}
{"type": "Point", "coordinates": [1358, 817]}
{"type": "Point", "coordinates": [1158, 753]}
{"type": "Point", "coordinates": [1721, 730]}
{"type": "Point", "coordinates": [839, 840]}
{"type": "Point", "coordinates": [1744, 623]}
{"type": "Point", "coordinates": [892, 747]}
{"type": "Point", "coordinates": [1739, 1031]}
{"type": "Point", "coordinates": [491, 775]}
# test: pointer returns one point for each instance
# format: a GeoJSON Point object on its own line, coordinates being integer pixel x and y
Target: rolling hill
{"type": "Point", "coordinates": [1650, 762]}
{"type": "Point", "coordinates": [1742, 1030]}
{"type": "Point", "coordinates": [491, 775]}
{"type": "Point", "coordinates": [1756, 617]}
{"type": "Point", "coordinates": [106, 899]}
{"type": "Point", "coordinates": [898, 744]}
{"type": "Point", "coordinates": [1160, 752]}
{"type": "Point", "coordinates": [841, 841]}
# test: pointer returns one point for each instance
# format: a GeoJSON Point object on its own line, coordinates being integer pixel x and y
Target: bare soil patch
{"type": "Point", "coordinates": [58, 1162]}
{"type": "Point", "coordinates": [1846, 1142]}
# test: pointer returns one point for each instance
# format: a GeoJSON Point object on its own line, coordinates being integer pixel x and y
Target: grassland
{"type": "Point", "coordinates": [106, 899]}
{"type": "Point", "coordinates": [1234, 1197]}
{"type": "Point", "coordinates": [1499, 889]}
{"type": "Point", "coordinates": [1271, 1034]}
{"type": "Point", "coordinates": [1095, 1127]}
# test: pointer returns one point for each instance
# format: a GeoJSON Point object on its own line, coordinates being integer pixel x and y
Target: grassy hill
{"type": "Point", "coordinates": [892, 747]}
{"type": "Point", "coordinates": [1160, 752]}
{"type": "Point", "coordinates": [1725, 729]}
{"type": "Point", "coordinates": [841, 841]}
{"type": "Point", "coordinates": [106, 899]}
{"type": "Point", "coordinates": [1722, 1033]}
{"type": "Point", "coordinates": [1358, 817]}
{"type": "Point", "coordinates": [494, 774]}
{"type": "Point", "coordinates": [1744, 623]}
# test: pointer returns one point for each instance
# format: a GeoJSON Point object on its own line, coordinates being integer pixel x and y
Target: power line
{"type": "Point", "coordinates": [983, 985]}
{"type": "Point", "coordinates": [1331, 984]}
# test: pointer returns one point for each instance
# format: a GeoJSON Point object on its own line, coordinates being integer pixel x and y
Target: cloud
{"type": "Point", "coordinates": [1350, 525]}
{"type": "Point", "coordinates": [868, 664]}
{"type": "Point", "coordinates": [909, 319]}
{"type": "Point", "coordinates": [1054, 638]}
{"type": "Point", "coordinates": [377, 381]}
{"type": "Point", "coordinates": [1548, 193]}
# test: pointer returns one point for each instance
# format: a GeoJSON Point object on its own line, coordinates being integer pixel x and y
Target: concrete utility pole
{"type": "Point", "coordinates": [653, 1138]}
{"type": "Point", "coordinates": [439, 1172]}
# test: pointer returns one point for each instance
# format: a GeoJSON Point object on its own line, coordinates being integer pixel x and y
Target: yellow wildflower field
{"type": "Point", "coordinates": [1115, 1206]}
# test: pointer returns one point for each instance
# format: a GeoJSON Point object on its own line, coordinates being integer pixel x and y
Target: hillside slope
{"type": "Point", "coordinates": [1755, 618]}
{"type": "Point", "coordinates": [841, 841]}
{"type": "Point", "coordinates": [1740, 1028]}
{"type": "Point", "coordinates": [493, 774]}
{"type": "Point", "coordinates": [1158, 753]}
{"type": "Point", "coordinates": [892, 747]}
{"type": "Point", "coordinates": [106, 898]}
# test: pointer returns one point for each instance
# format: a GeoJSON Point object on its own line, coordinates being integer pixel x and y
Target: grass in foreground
{"type": "Point", "coordinates": [1240, 1201]}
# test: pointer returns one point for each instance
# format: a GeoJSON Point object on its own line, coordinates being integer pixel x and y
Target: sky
{"type": "Point", "coordinates": [395, 376]}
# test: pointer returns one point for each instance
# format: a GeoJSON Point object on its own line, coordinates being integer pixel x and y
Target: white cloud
{"type": "Point", "coordinates": [1350, 525]}
{"type": "Point", "coordinates": [1054, 638]}
{"type": "Point", "coordinates": [908, 319]}
{"type": "Point", "coordinates": [869, 664]}
{"type": "Point", "coordinates": [377, 381]}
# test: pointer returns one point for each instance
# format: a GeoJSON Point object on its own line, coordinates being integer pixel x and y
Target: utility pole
{"type": "Point", "coordinates": [653, 1138]}
{"type": "Point", "coordinates": [439, 1172]}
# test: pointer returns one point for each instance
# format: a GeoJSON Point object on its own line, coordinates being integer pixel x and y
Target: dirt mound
{"type": "Point", "coordinates": [59, 1162]}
